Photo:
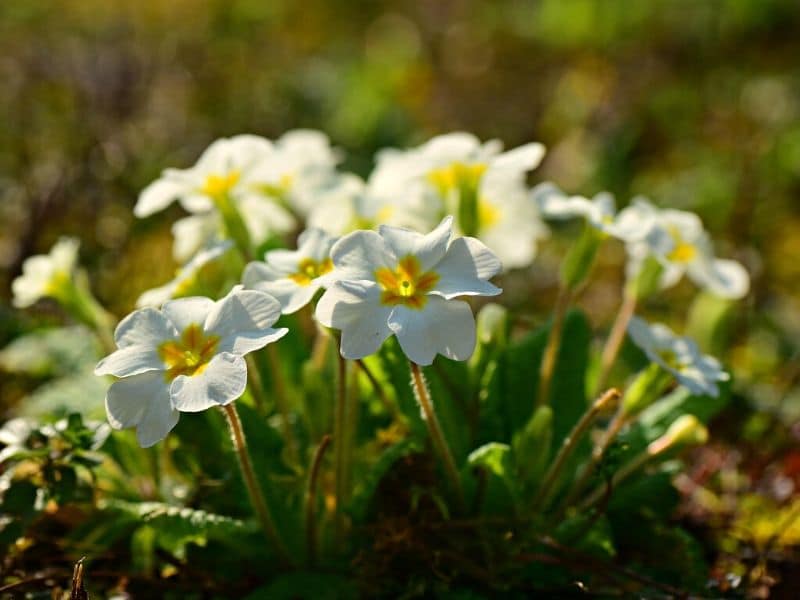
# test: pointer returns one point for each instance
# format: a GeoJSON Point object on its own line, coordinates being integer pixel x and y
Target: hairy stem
{"type": "Point", "coordinates": [553, 344]}
{"type": "Point", "coordinates": [569, 445]}
{"type": "Point", "coordinates": [615, 338]}
{"type": "Point", "coordinates": [253, 488]}
{"type": "Point", "coordinates": [339, 435]}
{"type": "Point", "coordinates": [437, 436]}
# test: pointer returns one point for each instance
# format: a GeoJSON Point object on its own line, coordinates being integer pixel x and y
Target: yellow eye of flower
{"type": "Point", "coordinates": [682, 251]}
{"type": "Point", "coordinates": [309, 269]}
{"type": "Point", "coordinates": [219, 185]}
{"type": "Point", "coordinates": [407, 284]}
{"type": "Point", "coordinates": [455, 176]}
{"type": "Point", "coordinates": [188, 355]}
{"type": "Point", "coordinates": [488, 214]}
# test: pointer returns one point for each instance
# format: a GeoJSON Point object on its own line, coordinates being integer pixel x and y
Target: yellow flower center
{"type": "Point", "coordinates": [456, 176]}
{"type": "Point", "coordinates": [309, 269]}
{"type": "Point", "coordinates": [219, 185]}
{"type": "Point", "coordinates": [488, 214]}
{"type": "Point", "coordinates": [407, 284]}
{"type": "Point", "coordinates": [683, 251]}
{"type": "Point", "coordinates": [190, 354]}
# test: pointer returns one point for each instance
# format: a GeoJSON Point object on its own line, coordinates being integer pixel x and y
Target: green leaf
{"type": "Point", "coordinates": [177, 526]}
{"type": "Point", "coordinates": [80, 392]}
{"type": "Point", "coordinates": [496, 460]}
{"type": "Point", "coordinates": [50, 352]}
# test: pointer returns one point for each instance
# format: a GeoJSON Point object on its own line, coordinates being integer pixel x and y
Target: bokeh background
{"type": "Point", "coordinates": [693, 104]}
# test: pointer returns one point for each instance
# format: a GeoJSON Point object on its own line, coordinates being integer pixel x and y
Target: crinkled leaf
{"type": "Point", "coordinates": [50, 352]}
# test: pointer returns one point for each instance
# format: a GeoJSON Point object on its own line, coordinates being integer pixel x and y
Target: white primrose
{"type": "Point", "coordinates": [186, 357]}
{"type": "Point", "coordinates": [185, 277]}
{"type": "Point", "coordinates": [631, 224]}
{"type": "Point", "coordinates": [679, 242]}
{"type": "Point", "coordinates": [294, 276]}
{"type": "Point", "coordinates": [46, 275]}
{"type": "Point", "coordinates": [483, 187]}
{"type": "Point", "coordinates": [401, 282]}
{"type": "Point", "coordinates": [679, 355]}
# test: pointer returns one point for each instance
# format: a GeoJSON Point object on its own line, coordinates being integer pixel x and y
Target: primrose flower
{"type": "Point", "coordinates": [301, 165]}
{"type": "Point", "coordinates": [188, 356]}
{"type": "Point", "coordinates": [679, 242]}
{"type": "Point", "coordinates": [185, 278]}
{"type": "Point", "coordinates": [483, 187]}
{"type": "Point", "coordinates": [629, 225]}
{"type": "Point", "coordinates": [294, 276]}
{"type": "Point", "coordinates": [47, 275]}
{"type": "Point", "coordinates": [405, 283]}
{"type": "Point", "coordinates": [678, 355]}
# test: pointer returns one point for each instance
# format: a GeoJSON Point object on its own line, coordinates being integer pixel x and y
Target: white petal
{"type": "Point", "coordinates": [633, 222]}
{"type": "Point", "coordinates": [725, 278]}
{"type": "Point", "coordinates": [443, 326]}
{"type": "Point", "coordinates": [355, 309]}
{"type": "Point", "coordinates": [141, 401]}
{"type": "Point", "coordinates": [158, 195]}
{"type": "Point", "coordinates": [221, 382]}
{"type": "Point", "coordinates": [258, 272]}
{"type": "Point", "coordinates": [147, 327]}
{"type": "Point", "coordinates": [465, 268]}
{"type": "Point", "coordinates": [429, 248]}
{"type": "Point", "coordinates": [515, 163]}
{"type": "Point", "coordinates": [187, 311]}
{"type": "Point", "coordinates": [292, 296]}
{"type": "Point", "coordinates": [315, 243]}
{"type": "Point", "coordinates": [264, 217]}
{"type": "Point", "coordinates": [192, 233]}
{"type": "Point", "coordinates": [357, 256]}
{"type": "Point", "coordinates": [131, 360]}
{"type": "Point", "coordinates": [242, 311]}
{"type": "Point", "coordinates": [555, 206]}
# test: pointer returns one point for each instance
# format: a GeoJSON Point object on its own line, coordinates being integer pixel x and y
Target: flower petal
{"type": "Point", "coordinates": [355, 309]}
{"type": "Point", "coordinates": [358, 255]}
{"type": "Point", "coordinates": [242, 311]}
{"type": "Point", "coordinates": [145, 327]}
{"type": "Point", "coordinates": [291, 296]}
{"type": "Point", "coordinates": [187, 311]}
{"type": "Point", "coordinates": [465, 268]}
{"type": "Point", "coordinates": [444, 326]}
{"type": "Point", "coordinates": [221, 382]}
{"type": "Point", "coordinates": [725, 278]}
{"type": "Point", "coordinates": [141, 401]}
{"type": "Point", "coordinates": [130, 360]}
{"type": "Point", "coordinates": [158, 195]}
{"type": "Point", "coordinates": [428, 248]}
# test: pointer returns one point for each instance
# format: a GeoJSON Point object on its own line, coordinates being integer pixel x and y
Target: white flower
{"type": "Point", "coordinates": [301, 164]}
{"type": "Point", "coordinates": [678, 355]}
{"type": "Point", "coordinates": [484, 188]}
{"type": "Point", "coordinates": [226, 168]}
{"type": "Point", "coordinates": [679, 242]}
{"type": "Point", "coordinates": [46, 275]}
{"type": "Point", "coordinates": [631, 224]}
{"type": "Point", "coordinates": [186, 275]}
{"type": "Point", "coordinates": [294, 276]}
{"type": "Point", "coordinates": [188, 356]}
{"type": "Point", "coordinates": [404, 283]}
{"type": "Point", "coordinates": [349, 205]}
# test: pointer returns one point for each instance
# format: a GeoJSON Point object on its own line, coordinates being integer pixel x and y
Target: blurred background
{"type": "Point", "coordinates": [693, 104]}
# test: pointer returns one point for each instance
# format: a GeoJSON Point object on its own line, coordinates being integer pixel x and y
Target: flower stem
{"type": "Point", "coordinates": [553, 344]}
{"type": "Point", "coordinates": [569, 444]}
{"type": "Point", "coordinates": [339, 435]}
{"type": "Point", "coordinates": [615, 338]}
{"type": "Point", "coordinates": [311, 499]}
{"type": "Point", "coordinates": [437, 436]}
{"type": "Point", "coordinates": [256, 495]}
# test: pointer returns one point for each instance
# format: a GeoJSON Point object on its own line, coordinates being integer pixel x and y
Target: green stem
{"type": "Point", "coordinates": [437, 436]}
{"type": "Point", "coordinates": [551, 350]}
{"type": "Point", "coordinates": [311, 500]}
{"type": "Point", "coordinates": [390, 406]}
{"type": "Point", "coordinates": [253, 488]}
{"type": "Point", "coordinates": [615, 339]}
{"type": "Point", "coordinates": [569, 444]}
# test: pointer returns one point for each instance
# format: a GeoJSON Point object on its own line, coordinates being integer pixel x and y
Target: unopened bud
{"type": "Point", "coordinates": [685, 430]}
